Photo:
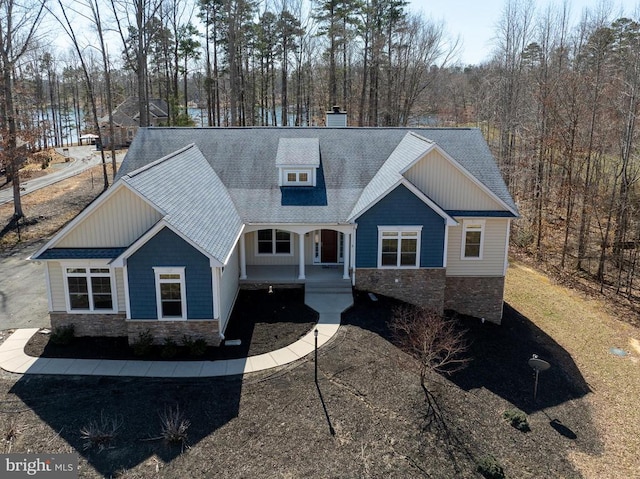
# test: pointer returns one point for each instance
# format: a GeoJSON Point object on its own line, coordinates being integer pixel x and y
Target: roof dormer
{"type": "Point", "coordinates": [298, 160]}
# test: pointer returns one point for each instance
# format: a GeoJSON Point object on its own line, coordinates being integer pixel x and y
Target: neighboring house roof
{"type": "Point", "coordinates": [126, 114]}
{"type": "Point", "coordinates": [244, 159]}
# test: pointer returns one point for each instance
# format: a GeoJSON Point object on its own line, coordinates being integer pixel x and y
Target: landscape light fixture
{"type": "Point", "coordinates": [315, 335]}
{"type": "Point", "coordinates": [537, 365]}
{"type": "Point", "coordinates": [270, 289]}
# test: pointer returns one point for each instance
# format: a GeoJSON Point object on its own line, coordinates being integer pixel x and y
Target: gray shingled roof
{"type": "Point", "coordinates": [243, 159]}
{"type": "Point", "coordinates": [408, 150]}
{"type": "Point", "coordinates": [298, 152]}
{"type": "Point", "coordinates": [195, 202]}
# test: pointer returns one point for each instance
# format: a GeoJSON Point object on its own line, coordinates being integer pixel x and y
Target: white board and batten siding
{"type": "Point", "coordinates": [118, 222]}
{"type": "Point", "coordinates": [56, 285]}
{"type": "Point", "coordinates": [229, 288]}
{"type": "Point", "coordinates": [253, 258]}
{"type": "Point", "coordinates": [445, 184]}
{"type": "Point", "coordinates": [492, 263]}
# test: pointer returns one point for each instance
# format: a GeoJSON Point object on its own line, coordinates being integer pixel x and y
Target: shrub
{"type": "Point", "coordinates": [174, 426]}
{"type": "Point", "coordinates": [170, 349]}
{"type": "Point", "coordinates": [490, 468]}
{"type": "Point", "coordinates": [63, 335]}
{"type": "Point", "coordinates": [100, 433]}
{"type": "Point", "coordinates": [143, 344]}
{"type": "Point", "coordinates": [195, 347]}
{"type": "Point", "coordinates": [517, 419]}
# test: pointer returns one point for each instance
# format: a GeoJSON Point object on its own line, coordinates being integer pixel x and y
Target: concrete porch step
{"type": "Point", "coordinates": [329, 288]}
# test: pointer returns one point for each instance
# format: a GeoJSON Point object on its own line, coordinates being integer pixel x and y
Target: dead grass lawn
{"type": "Point", "coordinates": [587, 330]}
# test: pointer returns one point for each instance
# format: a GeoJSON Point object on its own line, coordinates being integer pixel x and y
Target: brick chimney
{"type": "Point", "coordinates": [336, 118]}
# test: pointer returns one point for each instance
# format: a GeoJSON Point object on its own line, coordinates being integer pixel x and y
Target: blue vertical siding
{"type": "Point", "coordinates": [167, 249]}
{"type": "Point", "coordinates": [400, 208]}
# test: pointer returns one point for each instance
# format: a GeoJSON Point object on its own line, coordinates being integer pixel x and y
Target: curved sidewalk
{"type": "Point", "coordinates": [13, 358]}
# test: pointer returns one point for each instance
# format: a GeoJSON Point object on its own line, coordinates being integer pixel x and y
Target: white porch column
{"type": "Point", "coordinates": [345, 253]}
{"type": "Point", "coordinates": [243, 258]}
{"type": "Point", "coordinates": [301, 255]}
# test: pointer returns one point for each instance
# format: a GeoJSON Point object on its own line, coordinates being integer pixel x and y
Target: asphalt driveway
{"type": "Point", "coordinates": [23, 297]}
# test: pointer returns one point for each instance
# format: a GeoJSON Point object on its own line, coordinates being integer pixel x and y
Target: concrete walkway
{"type": "Point", "coordinates": [329, 306]}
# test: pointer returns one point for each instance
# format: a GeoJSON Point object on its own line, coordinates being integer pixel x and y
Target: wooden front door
{"type": "Point", "coordinates": [329, 250]}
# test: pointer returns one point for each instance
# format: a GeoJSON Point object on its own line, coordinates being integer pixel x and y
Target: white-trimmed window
{"type": "Point", "coordinates": [399, 246]}
{"type": "Point", "coordinates": [274, 242]}
{"type": "Point", "coordinates": [297, 177]}
{"type": "Point", "coordinates": [171, 295]}
{"type": "Point", "coordinates": [472, 239]}
{"type": "Point", "coordinates": [89, 289]}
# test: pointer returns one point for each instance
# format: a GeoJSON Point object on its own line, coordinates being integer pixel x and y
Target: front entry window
{"type": "Point", "coordinates": [170, 293]}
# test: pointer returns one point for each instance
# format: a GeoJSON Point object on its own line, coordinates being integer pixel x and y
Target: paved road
{"type": "Point", "coordinates": [23, 297]}
{"type": "Point", "coordinates": [81, 158]}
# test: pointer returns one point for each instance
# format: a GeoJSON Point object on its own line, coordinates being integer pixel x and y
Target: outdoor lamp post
{"type": "Point", "coordinates": [315, 335]}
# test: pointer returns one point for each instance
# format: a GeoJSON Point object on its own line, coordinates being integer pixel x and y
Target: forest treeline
{"type": "Point", "coordinates": [557, 96]}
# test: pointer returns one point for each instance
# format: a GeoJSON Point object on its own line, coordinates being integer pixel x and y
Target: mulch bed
{"type": "Point", "coordinates": [367, 415]}
{"type": "Point", "coordinates": [263, 322]}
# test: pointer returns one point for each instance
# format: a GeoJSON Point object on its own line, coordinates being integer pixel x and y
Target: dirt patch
{"type": "Point", "coordinates": [49, 209]}
{"type": "Point", "coordinates": [263, 322]}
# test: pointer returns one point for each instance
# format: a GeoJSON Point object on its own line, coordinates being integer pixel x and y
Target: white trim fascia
{"type": "Point", "coordinates": [127, 302]}
{"type": "Point", "coordinates": [47, 281]}
{"type": "Point", "coordinates": [299, 228]}
{"type": "Point", "coordinates": [154, 230]}
{"type": "Point", "coordinates": [235, 242]}
{"type": "Point", "coordinates": [469, 176]}
{"type": "Point", "coordinates": [445, 251]}
{"type": "Point", "coordinates": [117, 186]}
{"type": "Point", "coordinates": [83, 214]}
{"type": "Point", "coordinates": [419, 194]}
{"type": "Point", "coordinates": [506, 248]}
{"type": "Point", "coordinates": [215, 294]}
{"type": "Point", "coordinates": [450, 221]}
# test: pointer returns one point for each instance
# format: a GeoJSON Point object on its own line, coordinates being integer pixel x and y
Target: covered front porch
{"type": "Point", "coordinates": [289, 274]}
{"type": "Point", "coordinates": [296, 254]}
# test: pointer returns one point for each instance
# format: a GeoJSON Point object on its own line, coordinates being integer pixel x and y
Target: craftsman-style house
{"type": "Point", "coordinates": [419, 214]}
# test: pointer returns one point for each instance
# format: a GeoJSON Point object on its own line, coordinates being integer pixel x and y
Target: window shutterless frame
{"type": "Point", "coordinates": [473, 233]}
{"type": "Point", "coordinates": [273, 242]}
{"type": "Point", "coordinates": [89, 288]}
{"type": "Point", "coordinates": [171, 293]}
{"type": "Point", "coordinates": [399, 246]}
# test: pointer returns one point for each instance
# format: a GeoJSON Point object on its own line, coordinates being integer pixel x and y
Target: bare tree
{"type": "Point", "coordinates": [67, 27]}
{"type": "Point", "coordinates": [18, 25]}
{"type": "Point", "coordinates": [438, 344]}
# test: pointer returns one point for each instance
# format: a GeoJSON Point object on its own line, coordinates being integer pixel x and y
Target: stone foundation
{"type": "Point", "coordinates": [161, 330]}
{"type": "Point", "coordinates": [481, 297]}
{"type": "Point", "coordinates": [91, 324]}
{"type": "Point", "coordinates": [423, 287]}
{"type": "Point", "coordinates": [115, 325]}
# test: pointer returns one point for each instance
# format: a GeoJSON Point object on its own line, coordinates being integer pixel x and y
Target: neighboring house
{"type": "Point", "coordinates": [126, 120]}
{"type": "Point", "coordinates": [422, 215]}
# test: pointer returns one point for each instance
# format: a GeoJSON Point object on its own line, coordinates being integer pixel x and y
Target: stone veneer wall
{"type": "Point", "coordinates": [481, 297]}
{"type": "Point", "coordinates": [91, 324]}
{"type": "Point", "coordinates": [423, 287]}
{"type": "Point", "coordinates": [161, 330]}
{"type": "Point", "coordinates": [116, 325]}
